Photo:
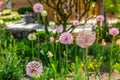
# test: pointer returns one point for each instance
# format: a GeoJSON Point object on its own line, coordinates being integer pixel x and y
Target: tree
{"type": "Point", "coordinates": [64, 8]}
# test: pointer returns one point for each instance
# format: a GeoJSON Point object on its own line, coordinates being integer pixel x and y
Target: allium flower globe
{"type": "Point", "coordinates": [85, 39]}
{"type": "Point", "coordinates": [1, 4]}
{"type": "Point", "coordinates": [32, 36]}
{"type": "Point", "coordinates": [76, 23]}
{"type": "Point", "coordinates": [38, 8]}
{"type": "Point", "coordinates": [52, 39]}
{"type": "Point", "coordinates": [34, 69]}
{"type": "Point", "coordinates": [51, 24]}
{"type": "Point", "coordinates": [44, 13]}
{"type": "Point", "coordinates": [100, 18]}
{"type": "Point", "coordinates": [59, 29]}
{"type": "Point", "coordinates": [114, 31]}
{"type": "Point", "coordinates": [66, 38]}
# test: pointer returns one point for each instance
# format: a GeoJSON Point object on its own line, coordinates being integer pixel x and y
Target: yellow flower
{"type": "Point", "coordinates": [118, 42]}
{"type": "Point", "coordinates": [51, 78]}
{"type": "Point", "coordinates": [67, 78]}
{"type": "Point", "coordinates": [103, 42]}
{"type": "Point", "coordinates": [1, 22]}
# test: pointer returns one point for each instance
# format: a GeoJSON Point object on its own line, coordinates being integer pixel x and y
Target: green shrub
{"type": "Point", "coordinates": [23, 10]}
{"type": "Point", "coordinates": [8, 15]}
{"type": "Point", "coordinates": [10, 68]}
{"type": "Point", "coordinates": [110, 6]}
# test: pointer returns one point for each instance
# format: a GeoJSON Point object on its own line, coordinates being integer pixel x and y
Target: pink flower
{"type": "Point", "coordinates": [38, 7]}
{"type": "Point", "coordinates": [114, 31]}
{"type": "Point", "coordinates": [100, 18]}
{"type": "Point", "coordinates": [85, 39]}
{"type": "Point", "coordinates": [59, 29]}
{"type": "Point", "coordinates": [52, 39]}
{"type": "Point", "coordinates": [66, 38]}
{"type": "Point", "coordinates": [76, 23]}
{"type": "Point", "coordinates": [34, 69]}
{"type": "Point", "coordinates": [1, 4]}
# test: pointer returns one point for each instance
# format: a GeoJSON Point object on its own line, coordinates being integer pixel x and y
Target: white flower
{"type": "Point", "coordinates": [50, 54]}
{"type": "Point", "coordinates": [44, 13]}
{"type": "Point", "coordinates": [52, 24]}
{"type": "Point", "coordinates": [32, 36]}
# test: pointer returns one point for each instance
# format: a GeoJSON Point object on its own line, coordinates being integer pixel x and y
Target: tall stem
{"type": "Point", "coordinates": [110, 61]}
{"type": "Point", "coordinates": [38, 46]}
{"type": "Point", "coordinates": [32, 51]}
{"type": "Point", "coordinates": [38, 16]}
{"type": "Point", "coordinates": [86, 66]}
{"type": "Point", "coordinates": [66, 59]}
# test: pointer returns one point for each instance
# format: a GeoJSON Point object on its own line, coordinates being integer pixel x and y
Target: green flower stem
{"type": "Point", "coordinates": [110, 61]}
{"type": "Point", "coordinates": [66, 68]}
{"type": "Point", "coordinates": [76, 58]}
{"type": "Point", "coordinates": [32, 51]}
{"type": "Point", "coordinates": [38, 46]}
{"type": "Point", "coordinates": [86, 66]}
{"type": "Point", "coordinates": [97, 40]}
{"type": "Point", "coordinates": [53, 50]}
{"type": "Point", "coordinates": [38, 16]}
{"type": "Point", "coordinates": [59, 55]}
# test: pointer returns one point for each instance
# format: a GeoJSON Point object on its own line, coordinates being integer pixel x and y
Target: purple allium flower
{"type": "Point", "coordinates": [38, 7]}
{"type": "Point", "coordinates": [114, 31]}
{"type": "Point", "coordinates": [76, 23]}
{"type": "Point", "coordinates": [59, 29]}
{"type": "Point", "coordinates": [1, 3]}
{"type": "Point", "coordinates": [66, 7]}
{"type": "Point", "coordinates": [85, 39]}
{"type": "Point", "coordinates": [100, 18]}
{"type": "Point", "coordinates": [66, 38]}
{"type": "Point", "coordinates": [34, 69]}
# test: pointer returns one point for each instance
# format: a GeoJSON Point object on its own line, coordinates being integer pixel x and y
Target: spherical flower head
{"type": "Point", "coordinates": [50, 54]}
{"type": "Point", "coordinates": [59, 29]}
{"type": "Point", "coordinates": [44, 13]}
{"type": "Point", "coordinates": [76, 23]}
{"type": "Point", "coordinates": [34, 69]}
{"type": "Point", "coordinates": [52, 39]}
{"type": "Point", "coordinates": [100, 18]}
{"type": "Point", "coordinates": [66, 38]}
{"type": "Point", "coordinates": [114, 31]}
{"type": "Point", "coordinates": [85, 39]}
{"type": "Point", "coordinates": [32, 36]}
{"type": "Point", "coordinates": [51, 24]}
{"type": "Point", "coordinates": [38, 8]}
{"type": "Point", "coordinates": [1, 4]}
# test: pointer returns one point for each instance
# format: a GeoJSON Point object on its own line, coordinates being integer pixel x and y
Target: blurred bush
{"type": "Point", "coordinates": [8, 15]}
{"type": "Point", "coordinates": [23, 10]}
{"type": "Point", "coordinates": [111, 6]}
